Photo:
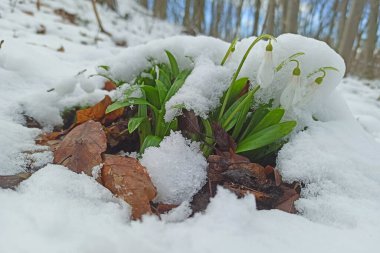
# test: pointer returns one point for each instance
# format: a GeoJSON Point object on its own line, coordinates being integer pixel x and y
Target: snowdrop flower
{"type": "Point", "coordinates": [312, 88]}
{"type": "Point", "coordinates": [265, 74]}
{"type": "Point", "coordinates": [292, 92]}
{"type": "Point", "coordinates": [66, 86]}
{"type": "Point", "coordinates": [86, 84]}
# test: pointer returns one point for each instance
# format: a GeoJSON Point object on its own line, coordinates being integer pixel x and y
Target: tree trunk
{"type": "Point", "coordinates": [284, 14]}
{"type": "Point", "coordinates": [370, 44]}
{"type": "Point", "coordinates": [186, 18]}
{"type": "Point", "coordinates": [216, 19]}
{"type": "Point", "coordinates": [332, 23]}
{"type": "Point", "coordinates": [199, 8]}
{"type": "Point", "coordinates": [292, 16]}
{"type": "Point", "coordinates": [350, 30]}
{"type": "Point", "coordinates": [238, 17]}
{"type": "Point", "coordinates": [159, 9]}
{"type": "Point", "coordinates": [269, 23]}
{"type": "Point", "coordinates": [342, 21]}
{"type": "Point", "coordinates": [257, 17]}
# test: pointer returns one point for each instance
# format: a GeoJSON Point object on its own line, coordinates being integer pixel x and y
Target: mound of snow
{"type": "Point", "coordinates": [177, 169]}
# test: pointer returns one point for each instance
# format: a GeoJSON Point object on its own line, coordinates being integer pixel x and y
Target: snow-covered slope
{"type": "Point", "coordinates": [57, 210]}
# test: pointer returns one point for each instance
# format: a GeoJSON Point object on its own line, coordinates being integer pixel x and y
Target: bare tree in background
{"type": "Point", "coordinates": [160, 9]}
{"type": "Point", "coordinates": [291, 24]}
{"type": "Point", "coordinates": [342, 21]}
{"type": "Point", "coordinates": [370, 45]}
{"type": "Point", "coordinates": [257, 17]}
{"type": "Point", "coordinates": [350, 30]}
{"type": "Point", "coordinates": [268, 25]}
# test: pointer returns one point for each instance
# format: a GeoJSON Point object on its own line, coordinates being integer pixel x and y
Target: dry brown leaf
{"type": "Point", "coordinates": [81, 149]}
{"type": "Point", "coordinates": [108, 86]}
{"type": "Point", "coordinates": [241, 191]}
{"type": "Point", "coordinates": [164, 208]}
{"type": "Point", "coordinates": [96, 112]}
{"type": "Point", "coordinates": [112, 116]}
{"type": "Point", "coordinates": [286, 202]}
{"type": "Point", "coordinates": [44, 138]}
{"type": "Point", "coordinates": [12, 181]}
{"type": "Point", "coordinates": [128, 179]}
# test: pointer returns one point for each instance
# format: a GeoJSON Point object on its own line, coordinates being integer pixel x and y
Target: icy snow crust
{"type": "Point", "coordinates": [57, 210]}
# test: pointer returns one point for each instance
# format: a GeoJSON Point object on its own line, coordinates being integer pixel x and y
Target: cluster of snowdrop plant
{"type": "Point", "coordinates": [258, 129]}
{"type": "Point", "coordinates": [157, 85]}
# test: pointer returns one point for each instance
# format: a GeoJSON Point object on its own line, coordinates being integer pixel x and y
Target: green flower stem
{"type": "Point", "coordinates": [322, 69]}
{"type": "Point", "coordinates": [236, 74]}
{"type": "Point", "coordinates": [289, 59]}
{"type": "Point", "coordinates": [230, 50]}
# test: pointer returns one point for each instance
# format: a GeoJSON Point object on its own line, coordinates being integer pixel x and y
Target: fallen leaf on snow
{"type": "Point", "coordinates": [81, 148]}
{"type": "Point", "coordinates": [128, 179]}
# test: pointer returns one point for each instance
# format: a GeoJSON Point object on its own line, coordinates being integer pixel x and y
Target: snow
{"type": "Point", "coordinates": [201, 91]}
{"type": "Point", "coordinates": [59, 211]}
{"type": "Point", "coordinates": [177, 169]}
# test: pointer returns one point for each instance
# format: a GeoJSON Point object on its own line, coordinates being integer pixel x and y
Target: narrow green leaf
{"type": "Point", "coordinates": [242, 115]}
{"type": "Point", "coordinates": [229, 118]}
{"type": "Point", "coordinates": [236, 89]}
{"type": "Point", "coordinates": [256, 117]}
{"type": "Point", "coordinates": [151, 95]}
{"type": "Point", "coordinates": [129, 102]}
{"type": "Point", "coordinates": [266, 136]}
{"type": "Point", "coordinates": [150, 141]}
{"type": "Point", "coordinates": [173, 63]}
{"type": "Point", "coordinates": [271, 118]}
{"type": "Point", "coordinates": [178, 83]}
{"type": "Point", "coordinates": [165, 78]}
{"type": "Point", "coordinates": [134, 123]}
{"type": "Point", "coordinates": [162, 92]}
{"type": "Point", "coordinates": [145, 128]}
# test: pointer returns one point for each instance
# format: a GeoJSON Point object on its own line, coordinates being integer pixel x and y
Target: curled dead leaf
{"type": "Point", "coordinates": [96, 112]}
{"type": "Point", "coordinates": [108, 86]}
{"type": "Point", "coordinates": [128, 179]}
{"type": "Point", "coordinates": [81, 149]}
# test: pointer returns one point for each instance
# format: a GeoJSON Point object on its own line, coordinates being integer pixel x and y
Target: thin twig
{"type": "Point", "coordinates": [98, 19]}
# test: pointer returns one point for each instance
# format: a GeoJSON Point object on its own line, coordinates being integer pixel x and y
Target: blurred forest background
{"type": "Point", "coordinates": [351, 27]}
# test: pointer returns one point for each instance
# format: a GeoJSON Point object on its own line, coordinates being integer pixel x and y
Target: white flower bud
{"type": "Point", "coordinates": [266, 72]}
{"type": "Point", "coordinates": [292, 93]}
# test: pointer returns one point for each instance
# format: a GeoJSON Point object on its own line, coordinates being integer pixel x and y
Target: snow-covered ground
{"type": "Point", "coordinates": [57, 210]}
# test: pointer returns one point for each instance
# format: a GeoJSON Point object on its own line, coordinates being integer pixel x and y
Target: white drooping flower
{"type": "Point", "coordinates": [86, 84]}
{"type": "Point", "coordinates": [266, 72]}
{"type": "Point", "coordinates": [66, 86]}
{"type": "Point", "coordinates": [312, 87]}
{"type": "Point", "coordinates": [292, 93]}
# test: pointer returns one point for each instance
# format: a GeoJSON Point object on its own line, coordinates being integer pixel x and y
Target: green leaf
{"type": "Point", "coordinates": [162, 92]}
{"type": "Point", "coordinates": [165, 78]}
{"type": "Point", "coordinates": [266, 136]}
{"type": "Point", "coordinates": [242, 115]}
{"type": "Point", "coordinates": [270, 119]}
{"type": "Point", "coordinates": [256, 117]}
{"type": "Point", "coordinates": [178, 83]}
{"type": "Point", "coordinates": [236, 89]}
{"type": "Point", "coordinates": [150, 141]}
{"type": "Point", "coordinates": [173, 63]}
{"type": "Point", "coordinates": [129, 102]}
{"type": "Point", "coordinates": [145, 128]}
{"type": "Point", "coordinates": [134, 123]}
{"type": "Point", "coordinates": [151, 95]}
{"type": "Point", "coordinates": [105, 67]}
{"type": "Point", "coordinates": [229, 118]}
